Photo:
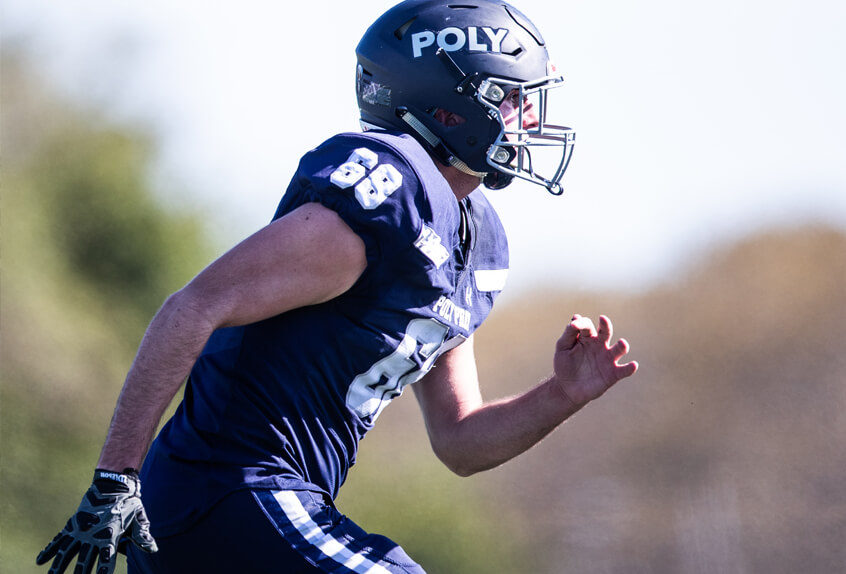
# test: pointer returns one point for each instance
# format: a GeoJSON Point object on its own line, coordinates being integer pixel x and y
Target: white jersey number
{"type": "Point", "coordinates": [370, 392]}
{"type": "Point", "coordinates": [377, 187]}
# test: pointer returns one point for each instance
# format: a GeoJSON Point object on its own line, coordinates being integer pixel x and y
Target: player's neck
{"type": "Point", "coordinates": [462, 184]}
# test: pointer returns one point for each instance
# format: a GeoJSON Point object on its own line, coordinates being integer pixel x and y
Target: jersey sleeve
{"type": "Point", "coordinates": [370, 185]}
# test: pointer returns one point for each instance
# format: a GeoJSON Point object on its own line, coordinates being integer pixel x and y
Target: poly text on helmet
{"type": "Point", "coordinates": [453, 39]}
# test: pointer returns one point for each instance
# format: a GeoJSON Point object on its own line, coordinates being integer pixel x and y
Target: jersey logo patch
{"type": "Point", "coordinates": [429, 244]}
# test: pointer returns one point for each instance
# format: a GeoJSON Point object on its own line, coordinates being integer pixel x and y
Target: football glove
{"type": "Point", "coordinates": [109, 510]}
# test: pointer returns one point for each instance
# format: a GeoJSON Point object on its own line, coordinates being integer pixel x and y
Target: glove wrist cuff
{"type": "Point", "coordinates": [128, 478]}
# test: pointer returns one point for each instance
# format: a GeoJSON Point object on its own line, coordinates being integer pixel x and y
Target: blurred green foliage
{"type": "Point", "coordinates": [88, 253]}
{"type": "Point", "coordinates": [93, 187]}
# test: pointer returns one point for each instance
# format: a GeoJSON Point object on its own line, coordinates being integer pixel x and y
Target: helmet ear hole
{"type": "Point", "coordinates": [447, 118]}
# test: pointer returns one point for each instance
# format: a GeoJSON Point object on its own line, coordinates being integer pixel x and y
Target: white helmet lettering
{"type": "Point", "coordinates": [473, 40]}
{"type": "Point", "coordinates": [452, 39]}
{"type": "Point", "coordinates": [496, 37]}
{"type": "Point", "coordinates": [459, 39]}
{"type": "Point", "coordinates": [421, 40]}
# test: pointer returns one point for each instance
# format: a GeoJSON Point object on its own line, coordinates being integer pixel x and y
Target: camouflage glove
{"type": "Point", "coordinates": [109, 510]}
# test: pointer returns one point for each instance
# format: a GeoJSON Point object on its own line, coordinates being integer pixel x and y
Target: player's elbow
{"type": "Point", "coordinates": [457, 460]}
{"type": "Point", "coordinates": [465, 471]}
{"type": "Point", "coordinates": [188, 309]}
{"type": "Point", "coordinates": [457, 466]}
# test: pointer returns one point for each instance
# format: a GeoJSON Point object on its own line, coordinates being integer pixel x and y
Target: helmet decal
{"type": "Point", "coordinates": [452, 39]}
{"type": "Point", "coordinates": [371, 92]}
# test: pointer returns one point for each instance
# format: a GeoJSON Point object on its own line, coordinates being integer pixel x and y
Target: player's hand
{"type": "Point", "coordinates": [109, 510]}
{"type": "Point", "coordinates": [585, 365]}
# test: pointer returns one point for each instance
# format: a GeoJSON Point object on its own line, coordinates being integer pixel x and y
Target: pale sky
{"type": "Point", "coordinates": [697, 123]}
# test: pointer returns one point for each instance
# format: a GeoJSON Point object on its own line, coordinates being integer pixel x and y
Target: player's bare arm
{"type": "Point", "coordinates": [304, 258]}
{"type": "Point", "coordinates": [471, 436]}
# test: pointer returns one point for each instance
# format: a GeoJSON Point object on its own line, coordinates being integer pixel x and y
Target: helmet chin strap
{"type": "Point", "coordinates": [441, 151]}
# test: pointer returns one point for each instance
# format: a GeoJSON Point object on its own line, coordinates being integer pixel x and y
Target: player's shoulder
{"type": "Point", "coordinates": [402, 147]}
{"type": "Point", "coordinates": [384, 186]}
{"type": "Point", "coordinates": [392, 154]}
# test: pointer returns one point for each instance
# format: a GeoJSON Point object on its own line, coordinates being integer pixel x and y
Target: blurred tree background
{"type": "Point", "coordinates": [725, 453]}
{"type": "Point", "coordinates": [88, 254]}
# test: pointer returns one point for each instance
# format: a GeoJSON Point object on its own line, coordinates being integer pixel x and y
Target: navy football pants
{"type": "Point", "coordinates": [275, 532]}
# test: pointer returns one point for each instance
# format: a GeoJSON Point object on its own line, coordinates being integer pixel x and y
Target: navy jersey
{"type": "Point", "coordinates": [282, 403]}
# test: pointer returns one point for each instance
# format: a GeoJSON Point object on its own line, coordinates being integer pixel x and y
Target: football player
{"type": "Point", "coordinates": [382, 259]}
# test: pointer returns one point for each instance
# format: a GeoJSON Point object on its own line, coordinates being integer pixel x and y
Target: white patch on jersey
{"type": "Point", "coordinates": [356, 166]}
{"type": "Point", "coordinates": [371, 391]}
{"type": "Point", "coordinates": [382, 182]}
{"type": "Point", "coordinates": [429, 244]}
{"type": "Point", "coordinates": [452, 313]}
{"type": "Point", "coordinates": [490, 279]}
{"type": "Point", "coordinates": [365, 157]}
{"type": "Point", "coordinates": [347, 174]}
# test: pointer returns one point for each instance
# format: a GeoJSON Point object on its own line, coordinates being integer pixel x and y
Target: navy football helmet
{"type": "Point", "coordinates": [466, 58]}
